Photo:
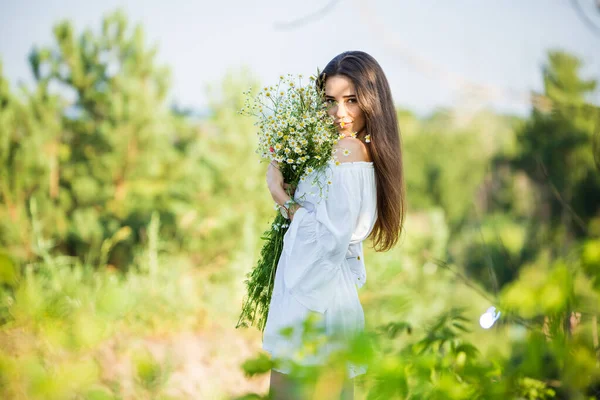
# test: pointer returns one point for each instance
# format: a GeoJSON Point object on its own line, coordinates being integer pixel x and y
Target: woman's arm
{"type": "Point", "coordinates": [280, 197]}
{"type": "Point", "coordinates": [318, 239]}
{"type": "Point", "coordinates": [276, 187]}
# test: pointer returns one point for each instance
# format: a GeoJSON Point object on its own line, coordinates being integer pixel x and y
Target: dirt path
{"type": "Point", "coordinates": [203, 365]}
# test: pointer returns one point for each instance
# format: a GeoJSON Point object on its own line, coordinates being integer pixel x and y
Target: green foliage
{"type": "Point", "coordinates": [439, 365]}
{"type": "Point", "coordinates": [149, 373]}
{"type": "Point", "coordinates": [98, 172]}
{"type": "Point", "coordinates": [489, 250]}
{"type": "Point", "coordinates": [590, 260]}
{"type": "Point", "coordinates": [432, 176]}
{"type": "Point", "coordinates": [540, 291]}
{"type": "Point", "coordinates": [262, 277]}
{"type": "Point", "coordinates": [556, 151]}
{"type": "Point", "coordinates": [66, 311]}
{"type": "Point", "coordinates": [534, 389]}
{"type": "Point", "coordinates": [97, 147]}
{"type": "Point", "coordinates": [259, 365]}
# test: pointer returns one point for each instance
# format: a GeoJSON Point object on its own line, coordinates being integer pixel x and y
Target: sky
{"type": "Point", "coordinates": [430, 50]}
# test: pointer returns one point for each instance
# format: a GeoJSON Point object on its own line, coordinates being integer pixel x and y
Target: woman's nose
{"type": "Point", "coordinates": [340, 111]}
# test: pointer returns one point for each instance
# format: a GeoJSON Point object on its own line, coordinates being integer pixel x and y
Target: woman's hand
{"type": "Point", "coordinates": [275, 180]}
{"type": "Point", "coordinates": [289, 189]}
{"type": "Point", "coordinates": [280, 191]}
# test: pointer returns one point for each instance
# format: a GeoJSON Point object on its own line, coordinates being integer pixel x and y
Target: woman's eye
{"type": "Point", "coordinates": [333, 101]}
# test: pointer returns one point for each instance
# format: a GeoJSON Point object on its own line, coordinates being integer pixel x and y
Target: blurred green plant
{"type": "Point", "coordinates": [98, 172]}
{"type": "Point", "coordinates": [149, 373]}
{"type": "Point", "coordinates": [62, 311]}
{"type": "Point", "coordinates": [98, 149]}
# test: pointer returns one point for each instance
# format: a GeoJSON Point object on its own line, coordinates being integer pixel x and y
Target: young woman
{"type": "Point", "coordinates": [322, 263]}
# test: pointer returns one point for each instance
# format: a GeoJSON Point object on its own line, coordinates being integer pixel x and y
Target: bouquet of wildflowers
{"type": "Point", "coordinates": [295, 130]}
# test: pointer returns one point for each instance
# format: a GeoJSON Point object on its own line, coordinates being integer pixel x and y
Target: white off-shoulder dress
{"type": "Point", "coordinates": [322, 263]}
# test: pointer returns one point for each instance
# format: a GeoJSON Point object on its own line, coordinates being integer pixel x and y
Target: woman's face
{"type": "Point", "coordinates": [340, 96]}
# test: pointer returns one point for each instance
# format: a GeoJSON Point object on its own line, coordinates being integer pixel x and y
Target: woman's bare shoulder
{"type": "Point", "coordinates": [350, 149]}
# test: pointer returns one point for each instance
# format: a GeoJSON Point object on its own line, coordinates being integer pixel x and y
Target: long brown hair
{"type": "Point", "coordinates": [375, 100]}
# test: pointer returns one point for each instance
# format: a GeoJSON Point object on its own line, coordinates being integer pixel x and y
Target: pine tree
{"type": "Point", "coordinates": [96, 146]}
{"type": "Point", "coordinates": [556, 153]}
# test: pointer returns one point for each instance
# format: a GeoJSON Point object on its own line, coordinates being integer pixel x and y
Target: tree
{"type": "Point", "coordinates": [97, 147]}
{"type": "Point", "coordinates": [556, 154]}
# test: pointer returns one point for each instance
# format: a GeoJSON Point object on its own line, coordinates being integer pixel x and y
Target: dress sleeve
{"type": "Point", "coordinates": [356, 263]}
{"type": "Point", "coordinates": [318, 239]}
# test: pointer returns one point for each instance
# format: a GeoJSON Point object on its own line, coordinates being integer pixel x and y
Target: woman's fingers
{"type": "Point", "coordinates": [289, 188]}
